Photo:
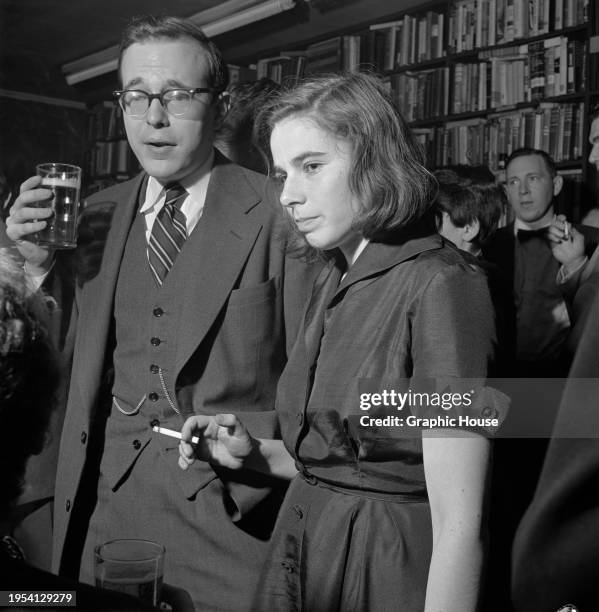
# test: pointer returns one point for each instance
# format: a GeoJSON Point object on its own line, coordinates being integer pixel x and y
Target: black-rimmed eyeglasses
{"type": "Point", "coordinates": [136, 102]}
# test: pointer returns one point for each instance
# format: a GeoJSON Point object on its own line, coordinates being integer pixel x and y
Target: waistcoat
{"type": "Point", "coordinates": [147, 323]}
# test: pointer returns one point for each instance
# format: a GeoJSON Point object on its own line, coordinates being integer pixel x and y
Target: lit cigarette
{"type": "Point", "coordinates": [566, 230]}
{"type": "Point", "coordinates": [172, 433]}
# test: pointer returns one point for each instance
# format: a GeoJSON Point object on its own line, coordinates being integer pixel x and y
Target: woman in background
{"type": "Point", "coordinates": [376, 517]}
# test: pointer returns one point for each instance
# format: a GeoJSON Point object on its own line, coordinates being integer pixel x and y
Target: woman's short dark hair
{"type": "Point", "coordinates": [466, 200]}
{"type": "Point", "coordinates": [151, 27]}
{"type": "Point", "coordinates": [388, 176]}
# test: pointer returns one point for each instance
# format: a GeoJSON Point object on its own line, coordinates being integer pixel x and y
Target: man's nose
{"type": "Point", "coordinates": [156, 115]}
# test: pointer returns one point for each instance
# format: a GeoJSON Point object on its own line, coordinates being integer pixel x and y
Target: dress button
{"type": "Point", "coordinates": [158, 312]}
{"type": "Point", "coordinates": [288, 566]}
{"type": "Point", "coordinates": [68, 505]}
{"type": "Point", "coordinates": [154, 369]}
{"type": "Point", "coordinates": [154, 423]}
{"type": "Point", "coordinates": [299, 513]}
{"type": "Point", "coordinates": [136, 444]}
{"type": "Point", "coordinates": [153, 397]}
{"type": "Point", "coordinates": [155, 341]}
{"type": "Point", "coordinates": [300, 417]}
{"type": "Point", "coordinates": [83, 437]}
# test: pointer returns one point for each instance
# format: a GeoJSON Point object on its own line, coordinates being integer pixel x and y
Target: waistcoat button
{"type": "Point", "coordinates": [158, 312]}
{"type": "Point", "coordinates": [154, 368]}
{"type": "Point", "coordinates": [136, 444]}
{"type": "Point", "coordinates": [153, 397]}
{"type": "Point", "coordinates": [83, 437]}
{"type": "Point", "coordinates": [155, 341]}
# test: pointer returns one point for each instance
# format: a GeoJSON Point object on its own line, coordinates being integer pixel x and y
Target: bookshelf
{"type": "Point", "coordinates": [475, 79]}
{"type": "Point", "coordinates": [109, 158]}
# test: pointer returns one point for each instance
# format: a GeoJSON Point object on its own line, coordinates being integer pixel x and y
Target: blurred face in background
{"type": "Point", "coordinates": [594, 140]}
{"type": "Point", "coordinates": [168, 147]}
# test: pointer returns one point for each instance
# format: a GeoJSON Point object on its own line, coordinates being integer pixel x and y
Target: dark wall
{"type": "Point", "coordinates": [33, 132]}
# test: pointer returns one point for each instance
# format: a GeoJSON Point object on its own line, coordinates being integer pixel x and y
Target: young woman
{"type": "Point", "coordinates": [375, 518]}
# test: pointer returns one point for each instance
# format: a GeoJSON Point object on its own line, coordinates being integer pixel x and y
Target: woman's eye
{"type": "Point", "coordinates": [279, 177]}
{"type": "Point", "coordinates": [312, 167]}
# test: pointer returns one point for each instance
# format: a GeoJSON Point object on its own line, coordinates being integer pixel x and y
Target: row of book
{"type": "Point", "coordinates": [411, 39]}
{"type": "Point", "coordinates": [513, 75]}
{"type": "Point", "coordinates": [421, 95]}
{"type": "Point", "coordinates": [555, 128]}
{"type": "Point", "coordinates": [111, 157]}
{"type": "Point", "coordinates": [105, 123]}
{"type": "Point", "coordinates": [241, 74]}
{"type": "Point", "coordinates": [482, 23]}
{"type": "Point", "coordinates": [505, 75]}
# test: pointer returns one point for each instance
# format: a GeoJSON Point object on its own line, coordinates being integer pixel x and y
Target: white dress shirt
{"type": "Point", "coordinates": [196, 185]}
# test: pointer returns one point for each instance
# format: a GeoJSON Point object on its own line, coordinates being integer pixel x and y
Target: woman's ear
{"type": "Point", "coordinates": [471, 230]}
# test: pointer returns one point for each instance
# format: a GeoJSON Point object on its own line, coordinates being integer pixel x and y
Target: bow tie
{"type": "Point", "coordinates": [524, 235]}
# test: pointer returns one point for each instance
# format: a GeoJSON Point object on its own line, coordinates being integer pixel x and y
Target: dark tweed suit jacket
{"type": "Point", "coordinates": [242, 287]}
{"type": "Point", "coordinates": [556, 552]}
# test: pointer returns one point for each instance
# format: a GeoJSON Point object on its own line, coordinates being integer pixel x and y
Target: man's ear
{"type": "Point", "coordinates": [471, 230]}
{"type": "Point", "coordinates": [558, 183]}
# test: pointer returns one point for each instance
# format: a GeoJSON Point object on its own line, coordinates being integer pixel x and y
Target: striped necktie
{"type": "Point", "coordinates": [168, 233]}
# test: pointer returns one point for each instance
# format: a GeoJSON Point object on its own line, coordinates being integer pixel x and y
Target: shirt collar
{"type": "Point", "coordinates": [522, 225]}
{"type": "Point", "coordinates": [195, 184]}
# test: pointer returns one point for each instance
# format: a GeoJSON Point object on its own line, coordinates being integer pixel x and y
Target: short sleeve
{"type": "Point", "coordinates": [453, 339]}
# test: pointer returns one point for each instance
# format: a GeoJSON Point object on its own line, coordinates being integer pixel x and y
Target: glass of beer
{"type": "Point", "coordinates": [64, 180]}
{"type": "Point", "coordinates": [134, 567]}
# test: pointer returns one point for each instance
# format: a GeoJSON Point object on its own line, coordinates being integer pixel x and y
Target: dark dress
{"type": "Point", "coordinates": [355, 529]}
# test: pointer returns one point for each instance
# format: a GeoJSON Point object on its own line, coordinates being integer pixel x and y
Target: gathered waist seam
{"type": "Point", "coordinates": [398, 498]}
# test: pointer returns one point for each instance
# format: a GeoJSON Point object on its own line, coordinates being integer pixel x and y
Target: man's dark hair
{"type": "Point", "coordinates": [151, 27]}
{"type": "Point", "coordinates": [527, 151]}
{"type": "Point", "coordinates": [235, 132]}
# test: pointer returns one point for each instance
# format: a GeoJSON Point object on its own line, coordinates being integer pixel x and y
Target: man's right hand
{"type": "Point", "coordinates": [26, 218]}
{"type": "Point", "coordinates": [223, 440]}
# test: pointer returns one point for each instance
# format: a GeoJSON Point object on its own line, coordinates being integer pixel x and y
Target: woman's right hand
{"type": "Point", "coordinates": [223, 440]}
{"type": "Point", "coordinates": [26, 217]}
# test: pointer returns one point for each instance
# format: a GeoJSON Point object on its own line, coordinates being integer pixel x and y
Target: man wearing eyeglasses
{"type": "Point", "coordinates": [191, 310]}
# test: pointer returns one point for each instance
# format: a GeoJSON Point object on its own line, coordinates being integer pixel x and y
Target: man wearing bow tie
{"type": "Point", "coordinates": [539, 251]}
{"type": "Point", "coordinates": [190, 308]}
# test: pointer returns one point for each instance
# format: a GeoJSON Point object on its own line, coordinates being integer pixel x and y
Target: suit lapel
{"type": "Point", "coordinates": [225, 236]}
{"type": "Point", "coordinates": [97, 296]}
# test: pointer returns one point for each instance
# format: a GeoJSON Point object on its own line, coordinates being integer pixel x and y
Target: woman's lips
{"type": "Point", "coordinates": [304, 224]}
